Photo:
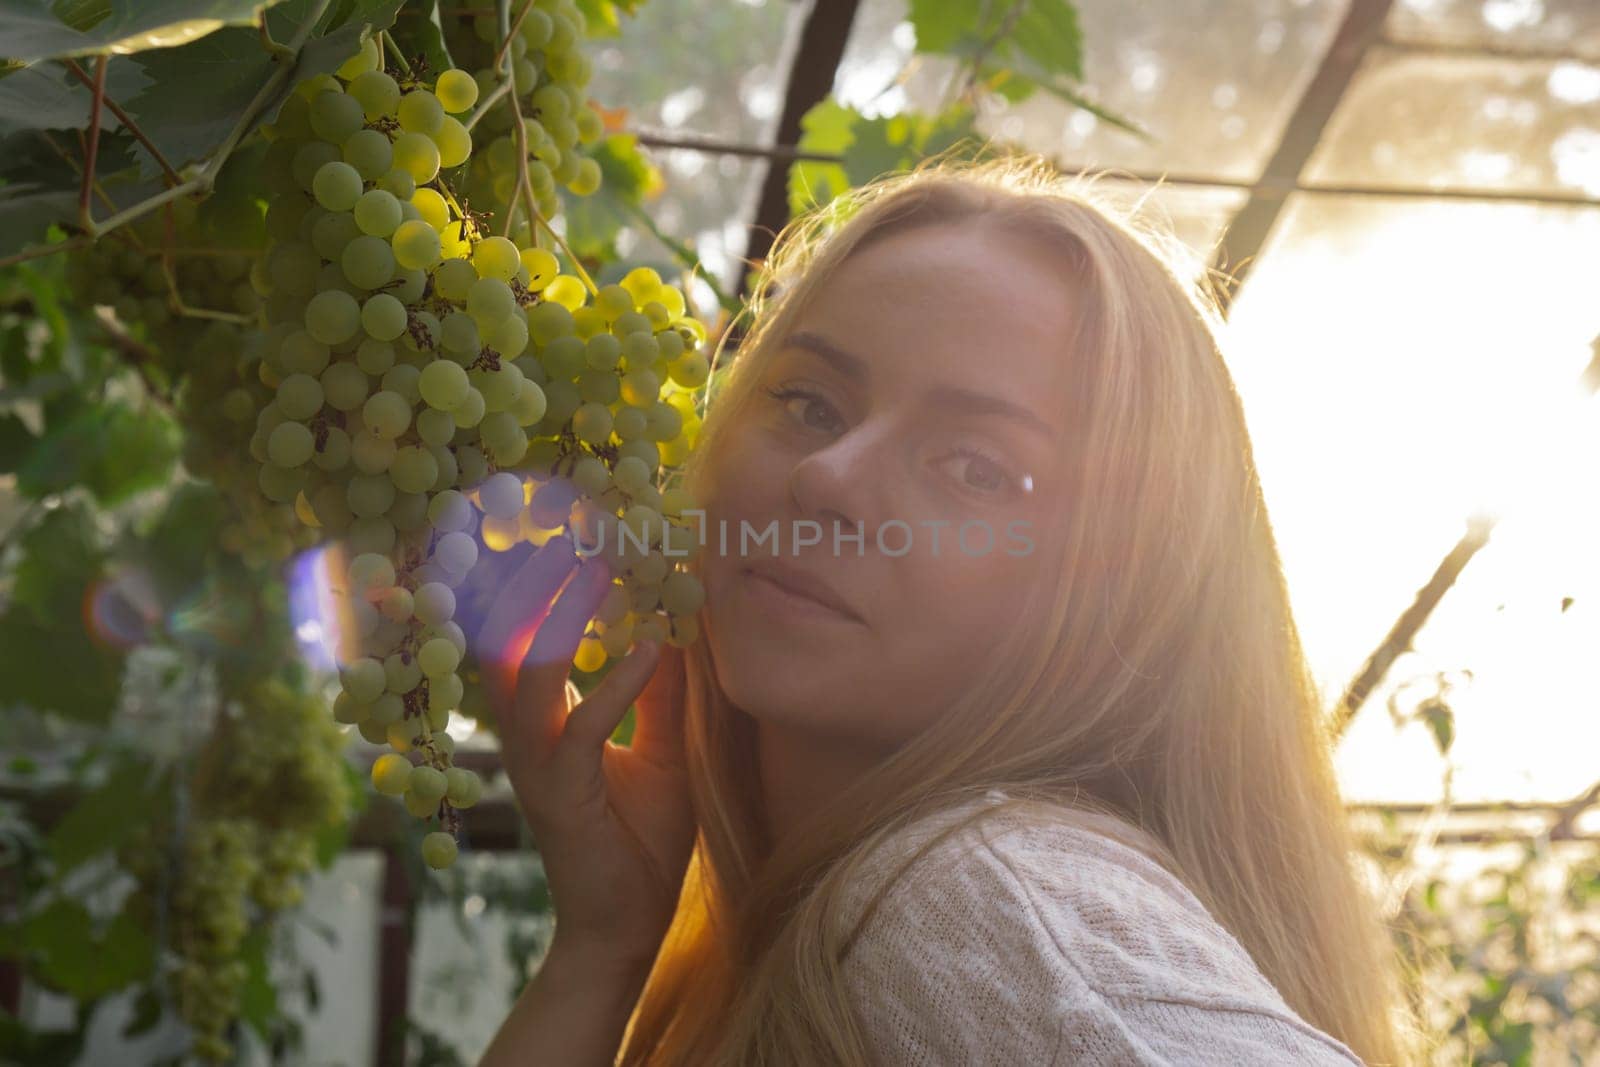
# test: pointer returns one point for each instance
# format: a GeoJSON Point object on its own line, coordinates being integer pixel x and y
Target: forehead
{"type": "Point", "coordinates": [972, 303]}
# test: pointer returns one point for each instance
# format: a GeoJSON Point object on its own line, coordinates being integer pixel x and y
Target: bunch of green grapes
{"type": "Point", "coordinates": [426, 373]}
{"type": "Point", "coordinates": [182, 283]}
{"type": "Point", "coordinates": [211, 916]}
{"type": "Point", "coordinates": [550, 75]}
{"type": "Point", "coordinates": [128, 271]}
{"type": "Point", "coordinates": [268, 781]}
{"type": "Point", "coordinates": [220, 395]}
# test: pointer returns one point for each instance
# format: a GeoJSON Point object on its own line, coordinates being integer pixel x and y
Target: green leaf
{"type": "Point", "coordinates": [418, 34]}
{"type": "Point", "coordinates": [258, 999]}
{"type": "Point", "coordinates": [28, 211]}
{"type": "Point", "coordinates": [880, 147]}
{"type": "Point", "coordinates": [32, 30]}
{"type": "Point", "coordinates": [16, 441]}
{"type": "Point", "coordinates": [1441, 720]}
{"type": "Point", "coordinates": [46, 97]}
{"type": "Point", "coordinates": [113, 451]}
{"type": "Point", "coordinates": [1047, 32]}
{"type": "Point", "coordinates": [44, 622]}
{"type": "Point", "coordinates": [828, 128]}
{"type": "Point", "coordinates": [941, 25]}
{"type": "Point", "coordinates": [105, 817]}
{"type": "Point", "coordinates": [70, 956]}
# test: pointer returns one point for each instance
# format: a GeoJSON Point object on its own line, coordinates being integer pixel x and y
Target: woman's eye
{"type": "Point", "coordinates": [806, 408]}
{"type": "Point", "coordinates": [978, 472]}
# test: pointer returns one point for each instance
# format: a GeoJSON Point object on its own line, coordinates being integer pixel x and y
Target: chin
{"type": "Point", "coordinates": [770, 679]}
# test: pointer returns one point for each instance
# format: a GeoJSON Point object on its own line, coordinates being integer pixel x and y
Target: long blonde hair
{"type": "Point", "coordinates": [1159, 677]}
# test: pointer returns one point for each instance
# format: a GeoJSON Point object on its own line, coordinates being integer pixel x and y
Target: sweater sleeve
{"type": "Point", "coordinates": [1025, 941]}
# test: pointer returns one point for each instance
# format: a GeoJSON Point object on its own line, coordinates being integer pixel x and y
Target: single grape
{"type": "Point", "coordinates": [377, 212]}
{"type": "Point", "coordinates": [387, 414]}
{"type": "Point", "coordinates": [376, 92]}
{"type": "Point", "coordinates": [391, 774]}
{"type": "Point", "coordinates": [439, 850]}
{"type": "Point", "coordinates": [290, 444]}
{"type": "Point", "coordinates": [417, 155]}
{"type": "Point", "coordinates": [299, 396]}
{"type": "Point", "coordinates": [384, 319]}
{"type": "Point", "coordinates": [420, 112]}
{"type": "Point", "coordinates": [335, 116]}
{"type": "Point", "coordinates": [457, 91]}
{"type": "Point", "coordinates": [369, 152]}
{"type": "Point", "coordinates": [463, 789]}
{"type": "Point", "coordinates": [501, 495]}
{"type": "Point", "coordinates": [416, 244]}
{"type": "Point", "coordinates": [434, 603]}
{"type": "Point", "coordinates": [455, 144]}
{"type": "Point", "coordinates": [333, 317]}
{"type": "Point", "coordinates": [496, 257]}
{"type": "Point", "coordinates": [368, 262]}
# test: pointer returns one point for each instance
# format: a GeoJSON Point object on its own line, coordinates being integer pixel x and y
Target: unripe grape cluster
{"type": "Point", "coordinates": [267, 783]}
{"type": "Point", "coordinates": [182, 288]}
{"type": "Point", "coordinates": [436, 387]}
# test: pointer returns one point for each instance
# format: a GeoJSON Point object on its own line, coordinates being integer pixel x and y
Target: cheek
{"type": "Point", "coordinates": [968, 606]}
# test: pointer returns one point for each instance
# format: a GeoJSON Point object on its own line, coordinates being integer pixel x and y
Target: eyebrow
{"type": "Point", "coordinates": [945, 396]}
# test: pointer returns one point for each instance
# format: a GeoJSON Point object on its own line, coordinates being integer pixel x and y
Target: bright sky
{"type": "Point", "coordinates": [1404, 365]}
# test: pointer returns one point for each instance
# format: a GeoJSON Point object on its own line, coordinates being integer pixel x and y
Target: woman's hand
{"type": "Point", "coordinates": [614, 825]}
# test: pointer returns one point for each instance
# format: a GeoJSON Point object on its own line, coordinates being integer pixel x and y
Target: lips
{"type": "Point", "coordinates": [803, 585]}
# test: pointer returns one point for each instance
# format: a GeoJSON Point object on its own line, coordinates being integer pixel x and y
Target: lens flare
{"type": "Point", "coordinates": [122, 609]}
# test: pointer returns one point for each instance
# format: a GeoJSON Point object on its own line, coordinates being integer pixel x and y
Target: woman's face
{"type": "Point", "coordinates": [917, 400]}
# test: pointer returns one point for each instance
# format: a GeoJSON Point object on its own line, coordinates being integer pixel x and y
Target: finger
{"type": "Point", "coordinates": [658, 728]}
{"type": "Point", "coordinates": [542, 676]}
{"type": "Point", "coordinates": [517, 613]}
{"type": "Point", "coordinates": [595, 720]}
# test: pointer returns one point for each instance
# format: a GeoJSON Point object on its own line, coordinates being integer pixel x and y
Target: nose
{"type": "Point", "coordinates": [845, 481]}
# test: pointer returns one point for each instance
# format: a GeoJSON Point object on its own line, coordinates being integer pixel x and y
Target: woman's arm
{"type": "Point", "coordinates": [572, 1013]}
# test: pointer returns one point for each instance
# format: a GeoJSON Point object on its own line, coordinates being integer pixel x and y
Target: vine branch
{"type": "Point", "coordinates": [204, 181]}
{"type": "Point", "coordinates": [127, 122]}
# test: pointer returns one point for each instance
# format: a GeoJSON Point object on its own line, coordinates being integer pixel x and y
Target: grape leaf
{"type": "Point", "coordinates": [44, 622]}
{"type": "Point", "coordinates": [1047, 32]}
{"type": "Point", "coordinates": [105, 816]}
{"type": "Point", "coordinates": [258, 999]}
{"type": "Point", "coordinates": [34, 30]}
{"type": "Point", "coordinates": [418, 34]}
{"type": "Point", "coordinates": [27, 211]}
{"type": "Point", "coordinates": [76, 960]}
{"type": "Point", "coordinates": [44, 97]}
{"type": "Point", "coordinates": [828, 128]}
{"type": "Point", "coordinates": [941, 25]}
{"type": "Point", "coordinates": [195, 94]}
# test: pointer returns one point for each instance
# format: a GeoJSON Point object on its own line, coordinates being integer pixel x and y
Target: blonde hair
{"type": "Point", "coordinates": [1159, 679]}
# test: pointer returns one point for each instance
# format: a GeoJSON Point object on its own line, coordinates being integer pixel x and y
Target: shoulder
{"type": "Point", "coordinates": [1048, 934]}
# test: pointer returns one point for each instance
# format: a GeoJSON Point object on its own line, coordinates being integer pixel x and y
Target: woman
{"type": "Point", "coordinates": [910, 801]}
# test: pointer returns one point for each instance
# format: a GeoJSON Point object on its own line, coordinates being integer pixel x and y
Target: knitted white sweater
{"type": "Point", "coordinates": [1022, 941]}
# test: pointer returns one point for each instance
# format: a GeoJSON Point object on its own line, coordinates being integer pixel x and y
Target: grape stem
{"type": "Point", "coordinates": [92, 144]}
{"type": "Point", "coordinates": [174, 298]}
{"type": "Point", "coordinates": [76, 168]}
{"type": "Point", "coordinates": [201, 183]}
{"type": "Point", "coordinates": [486, 103]}
{"type": "Point", "coordinates": [394, 51]}
{"type": "Point", "coordinates": [127, 122]}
